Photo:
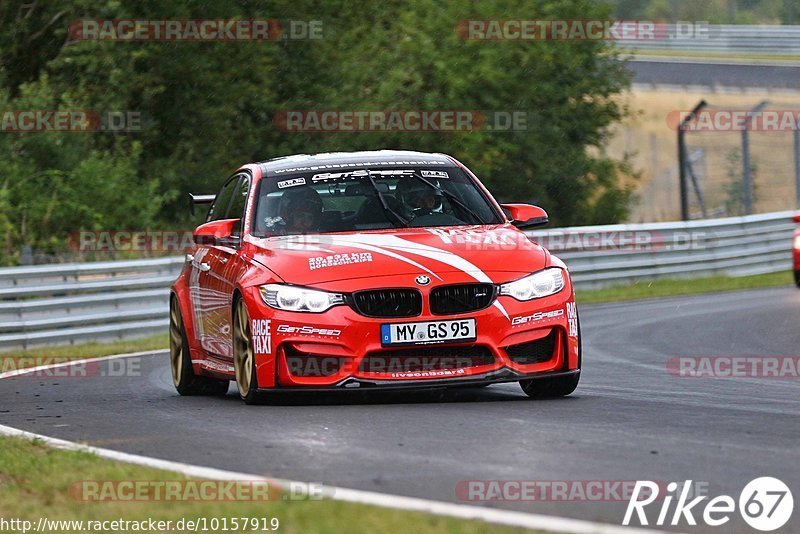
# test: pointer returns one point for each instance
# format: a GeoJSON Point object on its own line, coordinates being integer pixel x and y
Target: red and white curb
{"type": "Point", "coordinates": [460, 511]}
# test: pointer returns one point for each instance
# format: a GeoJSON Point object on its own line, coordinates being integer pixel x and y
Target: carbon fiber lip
{"type": "Point", "coordinates": [495, 377]}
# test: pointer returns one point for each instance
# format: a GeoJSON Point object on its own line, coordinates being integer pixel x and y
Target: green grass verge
{"type": "Point", "coordinates": [35, 482]}
{"type": "Point", "coordinates": [92, 350]}
{"type": "Point", "coordinates": [19, 359]}
{"type": "Point", "coordinates": [674, 288]}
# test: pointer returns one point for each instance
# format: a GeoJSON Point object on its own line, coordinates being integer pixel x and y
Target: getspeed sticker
{"type": "Point", "coordinates": [358, 174]}
{"type": "Point", "coordinates": [308, 330]}
{"type": "Point", "coordinates": [536, 317]}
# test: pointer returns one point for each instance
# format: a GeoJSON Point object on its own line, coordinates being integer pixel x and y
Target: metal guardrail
{"type": "Point", "coordinates": [736, 246]}
{"type": "Point", "coordinates": [75, 302]}
{"type": "Point", "coordinates": [69, 303]}
{"type": "Point", "coordinates": [721, 38]}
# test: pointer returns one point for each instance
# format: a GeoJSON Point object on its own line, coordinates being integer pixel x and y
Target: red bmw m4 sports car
{"type": "Point", "coordinates": [382, 269]}
{"type": "Point", "coordinates": [796, 251]}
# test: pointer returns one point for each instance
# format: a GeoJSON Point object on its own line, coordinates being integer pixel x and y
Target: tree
{"type": "Point", "coordinates": [207, 107]}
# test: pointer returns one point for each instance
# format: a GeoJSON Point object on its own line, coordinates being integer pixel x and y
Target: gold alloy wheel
{"type": "Point", "coordinates": [176, 342]}
{"type": "Point", "coordinates": [242, 350]}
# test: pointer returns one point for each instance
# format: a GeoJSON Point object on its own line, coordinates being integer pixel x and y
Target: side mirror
{"type": "Point", "coordinates": [796, 218]}
{"type": "Point", "coordinates": [216, 233]}
{"type": "Point", "coordinates": [194, 200]}
{"type": "Point", "coordinates": [525, 216]}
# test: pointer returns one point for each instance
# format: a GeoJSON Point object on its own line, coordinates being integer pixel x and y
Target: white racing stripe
{"type": "Point", "coordinates": [398, 248]}
{"type": "Point", "coordinates": [461, 511]}
{"type": "Point", "coordinates": [384, 244]}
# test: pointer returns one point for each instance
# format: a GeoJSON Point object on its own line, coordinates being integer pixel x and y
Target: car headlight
{"type": "Point", "coordinates": [535, 286]}
{"type": "Point", "coordinates": [797, 242]}
{"type": "Point", "coordinates": [299, 299]}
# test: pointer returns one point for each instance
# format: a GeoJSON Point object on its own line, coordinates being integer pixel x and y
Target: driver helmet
{"type": "Point", "coordinates": [301, 208]}
{"type": "Point", "coordinates": [415, 195]}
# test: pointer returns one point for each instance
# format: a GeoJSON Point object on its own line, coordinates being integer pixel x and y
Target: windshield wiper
{"type": "Point", "coordinates": [452, 197]}
{"type": "Point", "coordinates": [399, 218]}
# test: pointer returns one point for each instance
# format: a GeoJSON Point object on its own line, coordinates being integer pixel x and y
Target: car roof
{"type": "Point", "coordinates": [299, 163]}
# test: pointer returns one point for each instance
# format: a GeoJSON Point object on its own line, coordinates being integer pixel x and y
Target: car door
{"type": "Point", "coordinates": [208, 302]}
{"type": "Point", "coordinates": [229, 267]}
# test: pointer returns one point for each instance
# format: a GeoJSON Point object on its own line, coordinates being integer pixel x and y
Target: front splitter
{"type": "Point", "coordinates": [495, 377]}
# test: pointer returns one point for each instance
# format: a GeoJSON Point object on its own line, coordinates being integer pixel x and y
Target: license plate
{"type": "Point", "coordinates": [428, 332]}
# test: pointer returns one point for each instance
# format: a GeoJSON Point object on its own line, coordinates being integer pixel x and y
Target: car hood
{"type": "Point", "coordinates": [488, 254]}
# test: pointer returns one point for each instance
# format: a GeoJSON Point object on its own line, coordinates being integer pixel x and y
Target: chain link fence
{"type": "Point", "coordinates": [736, 161]}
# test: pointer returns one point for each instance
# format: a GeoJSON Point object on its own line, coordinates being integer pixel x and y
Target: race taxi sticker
{"type": "Point", "coordinates": [262, 337]}
{"type": "Point", "coordinates": [434, 174]}
{"type": "Point", "coordinates": [572, 318]}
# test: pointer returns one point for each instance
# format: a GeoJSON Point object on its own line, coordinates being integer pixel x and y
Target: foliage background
{"type": "Point", "coordinates": [208, 107]}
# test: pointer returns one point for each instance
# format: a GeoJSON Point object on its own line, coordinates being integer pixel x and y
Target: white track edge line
{"type": "Point", "coordinates": [461, 511]}
{"type": "Point", "coordinates": [69, 363]}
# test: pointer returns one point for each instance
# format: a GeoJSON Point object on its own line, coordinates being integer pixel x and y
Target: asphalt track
{"type": "Point", "coordinates": [630, 419]}
{"type": "Point", "coordinates": [711, 74]}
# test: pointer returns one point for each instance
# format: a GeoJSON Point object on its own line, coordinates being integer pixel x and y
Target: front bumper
{"type": "Point", "coordinates": [497, 377]}
{"type": "Point", "coordinates": [341, 349]}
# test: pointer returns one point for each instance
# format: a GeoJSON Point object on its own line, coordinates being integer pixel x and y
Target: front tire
{"type": "Point", "coordinates": [548, 388]}
{"type": "Point", "coordinates": [244, 361]}
{"type": "Point", "coordinates": [183, 377]}
{"type": "Point", "coordinates": [797, 278]}
{"type": "Point", "coordinates": [559, 386]}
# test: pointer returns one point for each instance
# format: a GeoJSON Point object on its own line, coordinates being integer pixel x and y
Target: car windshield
{"type": "Point", "coordinates": [357, 200]}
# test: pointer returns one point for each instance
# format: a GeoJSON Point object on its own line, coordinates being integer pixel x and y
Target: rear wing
{"type": "Point", "coordinates": [199, 199]}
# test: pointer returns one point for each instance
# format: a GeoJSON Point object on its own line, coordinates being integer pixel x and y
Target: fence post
{"type": "Point", "coordinates": [747, 179]}
{"type": "Point", "coordinates": [747, 176]}
{"type": "Point", "coordinates": [683, 160]}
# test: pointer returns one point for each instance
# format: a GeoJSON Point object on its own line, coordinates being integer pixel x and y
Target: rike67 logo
{"type": "Point", "coordinates": [765, 504]}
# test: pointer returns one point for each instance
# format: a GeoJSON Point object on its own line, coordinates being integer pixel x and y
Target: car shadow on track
{"type": "Point", "coordinates": [497, 393]}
